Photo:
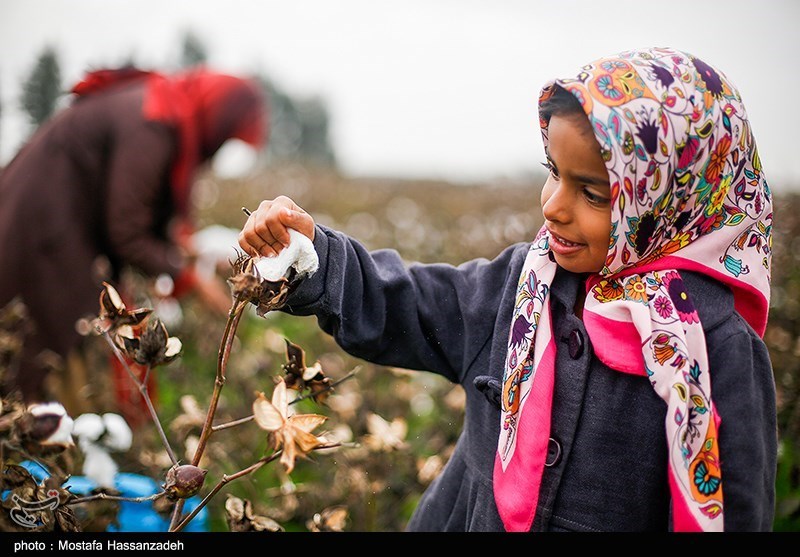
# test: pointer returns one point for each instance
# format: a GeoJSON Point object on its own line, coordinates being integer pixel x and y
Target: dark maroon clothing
{"type": "Point", "coordinates": [95, 180]}
{"type": "Point", "coordinates": [102, 182]}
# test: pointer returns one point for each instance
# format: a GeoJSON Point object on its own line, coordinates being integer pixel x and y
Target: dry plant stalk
{"type": "Point", "coordinates": [288, 438]}
{"type": "Point", "coordinates": [136, 335]}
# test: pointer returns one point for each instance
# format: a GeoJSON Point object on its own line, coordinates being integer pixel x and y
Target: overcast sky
{"type": "Point", "coordinates": [422, 88]}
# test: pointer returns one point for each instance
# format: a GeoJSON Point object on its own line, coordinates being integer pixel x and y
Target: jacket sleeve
{"type": "Point", "coordinates": [138, 173]}
{"type": "Point", "coordinates": [433, 317]}
{"type": "Point", "coordinates": [743, 391]}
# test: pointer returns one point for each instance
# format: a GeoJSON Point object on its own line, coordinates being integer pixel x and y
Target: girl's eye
{"type": "Point", "coordinates": [551, 168]}
{"type": "Point", "coordinates": [595, 199]}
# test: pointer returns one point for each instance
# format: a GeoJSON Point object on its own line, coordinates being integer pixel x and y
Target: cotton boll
{"type": "Point", "coordinates": [46, 408]}
{"type": "Point", "coordinates": [118, 434]}
{"type": "Point", "coordinates": [97, 435]}
{"type": "Point", "coordinates": [300, 254]}
{"type": "Point", "coordinates": [109, 431]}
{"type": "Point", "coordinates": [50, 424]}
{"type": "Point", "coordinates": [88, 428]}
{"type": "Point", "coordinates": [99, 467]}
{"type": "Point", "coordinates": [62, 436]}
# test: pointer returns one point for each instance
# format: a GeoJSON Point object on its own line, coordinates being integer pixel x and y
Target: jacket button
{"type": "Point", "coordinates": [575, 343]}
{"type": "Point", "coordinates": [553, 453]}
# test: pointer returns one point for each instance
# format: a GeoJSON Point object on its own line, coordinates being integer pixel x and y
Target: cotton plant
{"type": "Point", "coordinates": [292, 433]}
{"type": "Point", "coordinates": [139, 335]}
{"type": "Point", "coordinates": [35, 435]}
{"type": "Point", "coordinates": [45, 433]}
{"type": "Point", "coordinates": [100, 435]}
{"type": "Point", "coordinates": [47, 424]}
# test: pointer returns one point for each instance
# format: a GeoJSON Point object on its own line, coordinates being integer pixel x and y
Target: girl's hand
{"type": "Point", "coordinates": [266, 231]}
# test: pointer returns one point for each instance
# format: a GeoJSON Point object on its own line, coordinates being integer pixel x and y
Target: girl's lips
{"type": "Point", "coordinates": [562, 246]}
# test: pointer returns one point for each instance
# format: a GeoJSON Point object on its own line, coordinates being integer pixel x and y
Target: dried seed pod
{"type": "Point", "coordinates": [153, 346]}
{"type": "Point", "coordinates": [301, 377]}
{"type": "Point", "coordinates": [241, 517]}
{"type": "Point", "coordinates": [45, 424]}
{"type": "Point", "coordinates": [114, 313]}
{"type": "Point", "coordinates": [183, 481]}
{"type": "Point", "coordinates": [248, 284]}
{"type": "Point", "coordinates": [234, 508]}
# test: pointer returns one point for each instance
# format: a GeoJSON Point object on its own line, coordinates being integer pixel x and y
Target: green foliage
{"type": "Point", "coordinates": [787, 487]}
{"type": "Point", "coordinates": [42, 88]}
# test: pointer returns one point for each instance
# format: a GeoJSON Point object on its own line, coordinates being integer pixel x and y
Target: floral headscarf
{"type": "Point", "coordinates": [687, 193]}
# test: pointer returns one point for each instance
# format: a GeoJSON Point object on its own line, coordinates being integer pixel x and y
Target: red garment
{"type": "Point", "coordinates": [100, 79]}
{"type": "Point", "coordinates": [129, 401]}
{"type": "Point", "coordinates": [206, 107]}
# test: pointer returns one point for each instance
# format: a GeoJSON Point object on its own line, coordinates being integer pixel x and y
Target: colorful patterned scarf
{"type": "Point", "coordinates": [687, 193]}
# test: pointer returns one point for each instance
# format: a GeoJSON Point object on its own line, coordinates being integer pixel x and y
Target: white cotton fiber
{"type": "Point", "coordinates": [99, 467]}
{"type": "Point", "coordinates": [300, 254]}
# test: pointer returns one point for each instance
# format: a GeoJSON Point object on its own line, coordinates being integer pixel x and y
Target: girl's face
{"type": "Point", "coordinates": [576, 199]}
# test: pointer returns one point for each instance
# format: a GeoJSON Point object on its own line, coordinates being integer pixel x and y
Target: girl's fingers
{"type": "Point", "coordinates": [245, 238]}
{"type": "Point", "coordinates": [271, 235]}
{"type": "Point", "coordinates": [266, 231]}
{"type": "Point", "coordinates": [255, 237]}
{"type": "Point", "coordinates": [278, 230]}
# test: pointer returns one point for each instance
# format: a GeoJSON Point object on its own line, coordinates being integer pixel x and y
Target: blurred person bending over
{"type": "Point", "coordinates": [106, 184]}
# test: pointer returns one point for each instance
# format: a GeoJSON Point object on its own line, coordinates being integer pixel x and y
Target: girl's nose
{"type": "Point", "coordinates": [556, 205]}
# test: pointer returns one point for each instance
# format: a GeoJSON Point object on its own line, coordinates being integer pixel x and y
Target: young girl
{"type": "Point", "coordinates": [615, 375]}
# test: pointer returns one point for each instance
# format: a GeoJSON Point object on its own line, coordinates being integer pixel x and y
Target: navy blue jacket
{"type": "Point", "coordinates": [607, 455]}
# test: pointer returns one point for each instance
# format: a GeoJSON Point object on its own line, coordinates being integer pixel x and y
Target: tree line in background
{"type": "Point", "coordinates": [299, 127]}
